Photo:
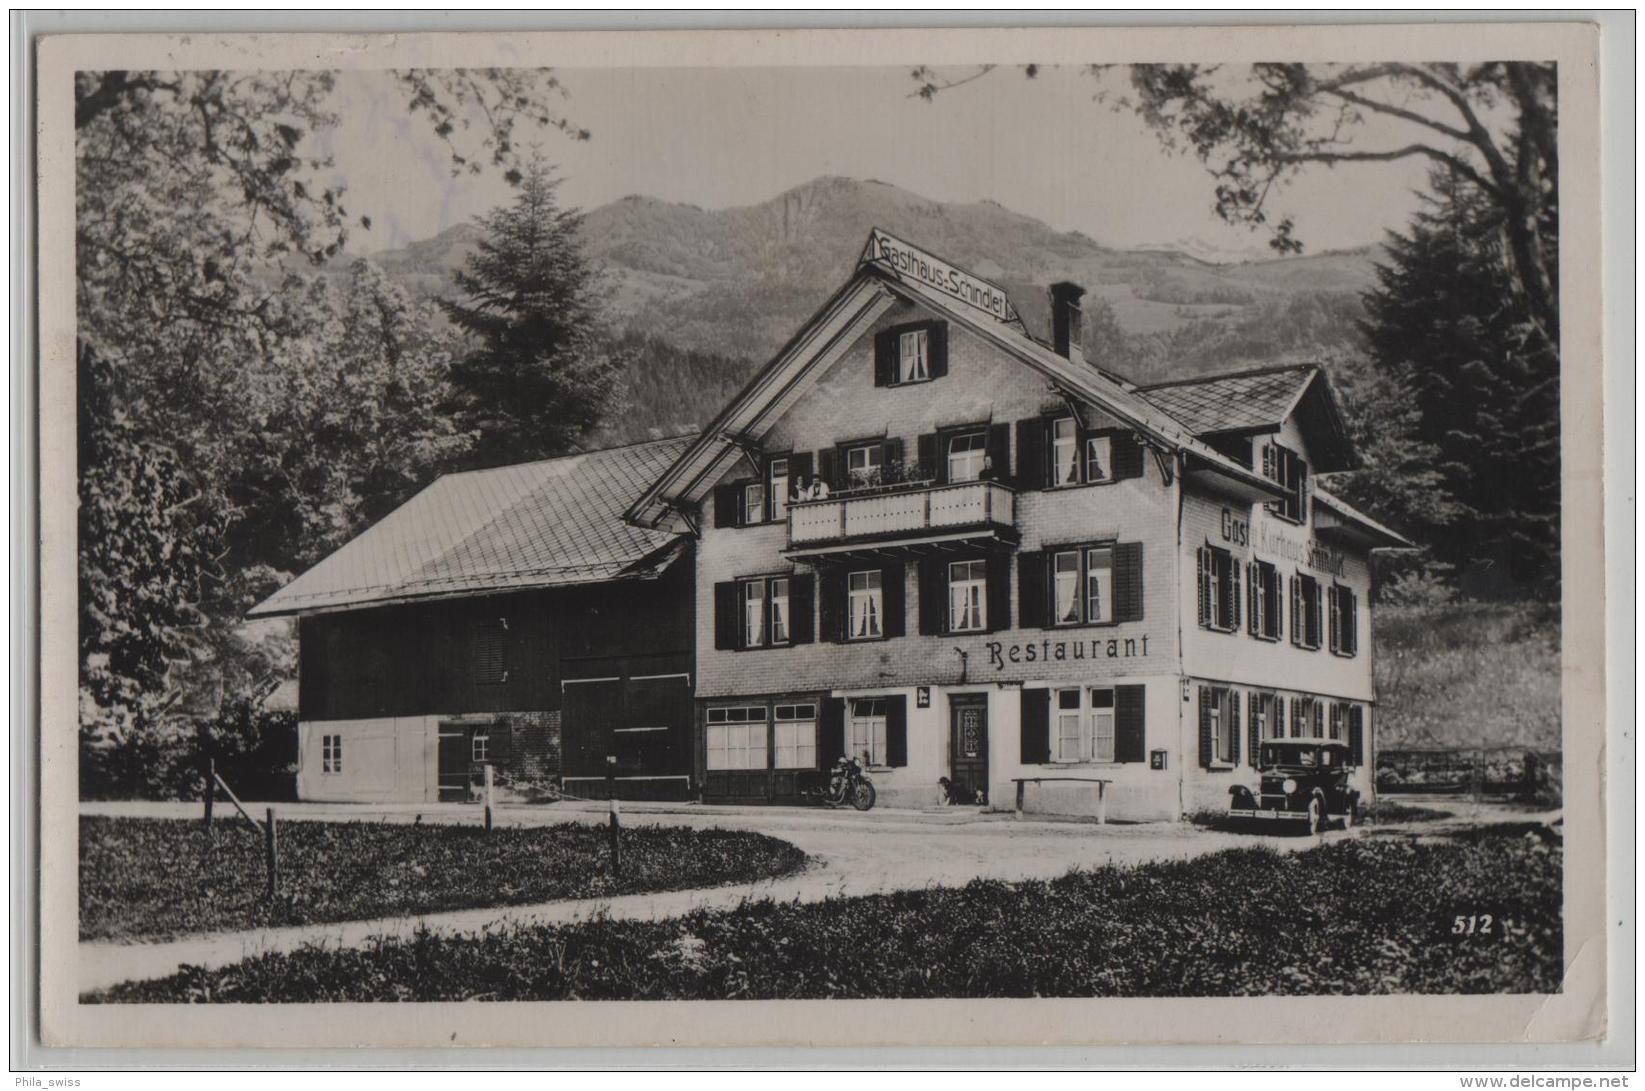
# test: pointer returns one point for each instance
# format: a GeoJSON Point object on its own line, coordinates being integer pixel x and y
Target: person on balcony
{"type": "Point", "coordinates": [819, 488]}
{"type": "Point", "coordinates": [802, 489]}
{"type": "Point", "coordinates": [988, 473]}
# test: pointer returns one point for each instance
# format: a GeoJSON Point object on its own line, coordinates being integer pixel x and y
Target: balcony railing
{"type": "Point", "coordinates": [905, 512]}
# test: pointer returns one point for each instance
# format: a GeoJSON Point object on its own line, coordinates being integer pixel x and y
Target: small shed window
{"type": "Point", "coordinates": [480, 745]}
{"type": "Point", "coordinates": [491, 651]}
{"type": "Point", "coordinates": [331, 753]}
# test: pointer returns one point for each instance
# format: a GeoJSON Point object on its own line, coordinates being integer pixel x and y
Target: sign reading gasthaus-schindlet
{"type": "Point", "coordinates": [912, 263]}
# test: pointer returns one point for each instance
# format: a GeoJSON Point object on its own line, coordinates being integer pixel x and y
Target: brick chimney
{"type": "Point", "coordinates": [1067, 322]}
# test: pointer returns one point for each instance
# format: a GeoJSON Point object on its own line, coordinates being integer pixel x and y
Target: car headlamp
{"type": "Point", "coordinates": [1290, 785]}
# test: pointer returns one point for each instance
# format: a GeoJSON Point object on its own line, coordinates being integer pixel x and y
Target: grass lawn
{"type": "Point", "coordinates": [1387, 810]}
{"type": "Point", "coordinates": [1355, 916]}
{"type": "Point", "coordinates": [149, 878]}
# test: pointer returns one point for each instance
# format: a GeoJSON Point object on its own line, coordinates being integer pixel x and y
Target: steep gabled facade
{"type": "Point", "coordinates": [1019, 567]}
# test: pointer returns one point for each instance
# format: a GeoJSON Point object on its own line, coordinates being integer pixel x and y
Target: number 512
{"type": "Point", "coordinates": [1479, 924]}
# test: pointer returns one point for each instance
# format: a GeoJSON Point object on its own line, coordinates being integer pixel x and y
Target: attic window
{"type": "Point", "coordinates": [1284, 467]}
{"type": "Point", "coordinates": [490, 651]}
{"type": "Point", "coordinates": [914, 356]}
{"type": "Point", "coordinates": [916, 352]}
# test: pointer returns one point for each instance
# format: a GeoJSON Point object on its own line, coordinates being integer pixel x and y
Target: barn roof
{"type": "Point", "coordinates": [538, 524]}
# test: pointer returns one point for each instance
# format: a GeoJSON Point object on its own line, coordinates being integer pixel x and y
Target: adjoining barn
{"type": "Point", "coordinates": [505, 617]}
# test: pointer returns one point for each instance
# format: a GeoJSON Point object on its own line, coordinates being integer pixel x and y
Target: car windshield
{"type": "Point", "coordinates": [1296, 757]}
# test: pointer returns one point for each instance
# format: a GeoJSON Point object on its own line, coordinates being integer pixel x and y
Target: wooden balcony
{"type": "Point", "coordinates": [904, 515]}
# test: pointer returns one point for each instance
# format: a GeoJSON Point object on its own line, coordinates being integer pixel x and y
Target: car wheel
{"type": "Point", "coordinates": [1316, 815]}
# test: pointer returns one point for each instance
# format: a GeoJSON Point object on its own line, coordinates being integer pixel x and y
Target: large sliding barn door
{"type": "Point", "coordinates": [643, 721]}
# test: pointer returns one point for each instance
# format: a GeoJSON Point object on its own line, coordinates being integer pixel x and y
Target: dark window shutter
{"type": "Point", "coordinates": [1253, 730]}
{"type": "Point", "coordinates": [894, 598]}
{"type": "Point", "coordinates": [802, 607]}
{"type": "Point", "coordinates": [926, 447]}
{"type": "Point", "coordinates": [1126, 455]}
{"type": "Point", "coordinates": [885, 358]}
{"type": "Point", "coordinates": [999, 450]}
{"type": "Point", "coordinates": [1033, 590]}
{"type": "Point", "coordinates": [1128, 581]}
{"type": "Point", "coordinates": [1317, 617]}
{"type": "Point", "coordinates": [999, 592]}
{"type": "Point", "coordinates": [1298, 727]}
{"type": "Point", "coordinates": [726, 505]}
{"type": "Point", "coordinates": [1205, 576]}
{"type": "Point", "coordinates": [1233, 725]}
{"type": "Point", "coordinates": [933, 596]}
{"type": "Point", "coordinates": [1279, 717]}
{"type": "Point", "coordinates": [1296, 611]}
{"type": "Point", "coordinates": [1350, 623]}
{"type": "Point", "coordinates": [1252, 605]}
{"type": "Point", "coordinates": [1031, 456]}
{"type": "Point", "coordinates": [1234, 596]}
{"type": "Point", "coordinates": [1206, 743]}
{"type": "Point", "coordinates": [827, 464]}
{"type": "Point", "coordinates": [831, 731]}
{"type": "Point", "coordinates": [896, 730]}
{"type": "Point", "coordinates": [1356, 734]}
{"type": "Point", "coordinates": [799, 465]}
{"type": "Point", "coordinates": [725, 616]}
{"type": "Point", "coordinates": [1036, 726]}
{"type": "Point", "coordinates": [1130, 723]}
{"type": "Point", "coordinates": [890, 458]}
{"type": "Point", "coordinates": [937, 346]}
{"type": "Point", "coordinates": [831, 598]}
{"type": "Point", "coordinates": [1334, 629]}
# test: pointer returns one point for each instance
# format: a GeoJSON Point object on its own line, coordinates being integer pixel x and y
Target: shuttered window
{"type": "Point", "coordinates": [490, 645]}
{"type": "Point", "coordinates": [763, 612]}
{"type": "Point", "coordinates": [1343, 621]}
{"type": "Point", "coordinates": [1219, 726]}
{"type": "Point", "coordinates": [1286, 468]}
{"type": "Point", "coordinates": [967, 596]}
{"type": "Point", "coordinates": [867, 729]}
{"type": "Point", "coordinates": [1219, 590]}
{"type": "Point", "coordinates": [866, 601]}
{"type": "Point", "coordinates": [911, 353]}
{"type": "Point", "coordinates": [1265, 609]}
{"type": "Point", "coordinates": [1306, 612]}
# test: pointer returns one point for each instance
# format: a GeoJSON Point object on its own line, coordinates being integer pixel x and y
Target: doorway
{"type": "Point", "coordinates": [456, 754]}
{"type": "Point", "coordinates": [968, 747]}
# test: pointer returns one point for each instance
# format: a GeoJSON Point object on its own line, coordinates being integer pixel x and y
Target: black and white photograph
{"type": "Point", "coordinates": [901, 527]}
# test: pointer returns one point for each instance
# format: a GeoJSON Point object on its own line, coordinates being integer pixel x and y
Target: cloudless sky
{"type": "Point", "coordinates": [721, 138]}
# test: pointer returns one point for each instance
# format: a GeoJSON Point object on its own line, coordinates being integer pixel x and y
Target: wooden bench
{"type": "Point", "coordinates": [1102, 784]}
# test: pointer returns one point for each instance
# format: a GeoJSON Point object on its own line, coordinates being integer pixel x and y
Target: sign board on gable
{"type": "Point", "coordinates": [913, 264]}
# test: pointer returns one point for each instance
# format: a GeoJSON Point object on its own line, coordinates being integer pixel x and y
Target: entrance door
{"type": "Point", "coordinates": [455, 753]}
{"type": "Point", "coordinates": [968, 747]}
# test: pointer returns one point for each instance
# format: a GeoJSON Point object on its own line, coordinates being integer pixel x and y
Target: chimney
{"type": "Point", "coordinates": [1067, 322]}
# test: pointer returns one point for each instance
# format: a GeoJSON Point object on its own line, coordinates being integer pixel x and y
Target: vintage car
{"type": "Point", "coordinates": [1302, 781]}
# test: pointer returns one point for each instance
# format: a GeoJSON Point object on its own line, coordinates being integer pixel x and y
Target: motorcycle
{"type": "Point", "coordinates": [847, 784]}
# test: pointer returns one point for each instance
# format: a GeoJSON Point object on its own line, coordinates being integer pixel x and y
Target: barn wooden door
{"type": "Point", "coordinates": [455, 755]}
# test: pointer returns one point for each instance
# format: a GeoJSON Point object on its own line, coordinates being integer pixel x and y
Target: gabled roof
{"type": "Point", "coordinates": [1338, 514]}
{"type": "Point", "coordinates": [539, 524]}
{"type": "Point", "coordinates": [849, 313]}
{"type": "Point", "coordinates": [1259, 400]}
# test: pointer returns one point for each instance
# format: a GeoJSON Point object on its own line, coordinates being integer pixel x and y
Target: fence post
{"type": "Point", "coordinates": [271, 840]}
{"type": "Point", "coordinates": [487, 768]}
{"type": "Point", "coordinates": [616, 821]}
{"type": "Point", "coordinates": [210, 793]}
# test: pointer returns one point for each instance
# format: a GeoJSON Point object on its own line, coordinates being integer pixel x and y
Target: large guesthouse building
{"type": "Point", "coordinates": [973, 558]}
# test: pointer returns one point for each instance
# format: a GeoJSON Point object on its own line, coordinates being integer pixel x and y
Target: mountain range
{"type": "Point", "coordinates": [737, 282]}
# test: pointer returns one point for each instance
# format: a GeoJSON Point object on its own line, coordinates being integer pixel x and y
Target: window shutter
{"type": "Point", "coordinates": [831, 731]}
{"type": "Point", "coordinates": [1356, 735]}
{"type": "Point", "coordinates": [890, 456]}
{"type": "Point", "coordinates": [799, 465]}
{"type": "Point", "coordinates": [1233, 726]}
{"type": "Point", "coordinates": [827, 464]}
{"type": "Point", "coordinates": [894, 597]}
{"type": "Point", "coordinates": [1036, 726]}
{"type": "Point", "coordinates": [726, 505]}
{"type": "Point", "coordinates": [1335, 616]}
{"type": "Point", "coordinates": [1296, 611]}
{"type": "Point", "coordinates": [1207, 745]}
{"type": "Point", "coordinates": [937, 345]}
{"type": "Point", "coordinates": [1126, 455]}
{"type": "Point", "coordinates": [1130, 723]}
{"type": "Point", "coordinates": [896, 730]}
{"type": "Point", "coordinates": [1234, 596]}
{"type": "Point", "coordinates": [1128, 581]}
{"type": "Point", "coordinates": [1253, 736]}
{"type": "Point", "coordinates": [1317, 619]}
{"type": "Point", "coordinates": [999, 592]}
{"type": "Point", "coordinates": [1253, 606]}
{"type": "Point", "coordinates": [930, 466]}
{"type": "Point", "coordinates": [832, 602]}
{"type": "Point", "coordinates": [802, 607]}
{"type": "Point", "coordinates": [1279, 717]}
{"type": "Point", "coordinates": [1205, 576]}
{"type": "Point", "coordinates": [1302, 490]}
{"type": "Point", "coordinates": [1031, 453]}
{"type": "Point", "coordinates": [999, 450]}
{"type": "Point", "coordinates": [885, 357]}
{"type": "Point", "coordinates": [1297, 726]}
{"type": "Point", "coordinates": [1268, 470]}
{"type": "Point", "coordinates": [1033, 590]}
{"type": "Point", "coordinates": [725, 616]}
{"type": "Point", "coordinates": [1350, 623]}
{"type": "Point", "coordinates": [933, 596]}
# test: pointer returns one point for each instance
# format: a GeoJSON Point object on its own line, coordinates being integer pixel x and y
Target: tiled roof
{"type": "Point", "coordinates": [1224, 403]}
{"type": "Point", "coordinates": [538, 524]}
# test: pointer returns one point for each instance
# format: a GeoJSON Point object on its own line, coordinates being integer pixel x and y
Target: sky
{"type": "Point", "coordinates": [721, 138]}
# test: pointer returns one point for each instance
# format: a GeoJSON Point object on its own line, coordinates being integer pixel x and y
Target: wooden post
{"type": "Point", "coordinates": [211, 788]}
{"type": "Point", "coordinates": [616, 821]}
{"type": "Point", "coordinates": [1102, 803]}
{"type": "Point", "coordinates": [487, 768]}
{"type": "Point", "coordinates": [1022, 785]}
{"type": "Point", "coordinates": [271, 841]}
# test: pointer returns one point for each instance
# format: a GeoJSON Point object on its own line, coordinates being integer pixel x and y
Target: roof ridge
{"type": "Point", "coordinates": [1245, 373]}
{"type": "Point", "coordinates": [693, 434]}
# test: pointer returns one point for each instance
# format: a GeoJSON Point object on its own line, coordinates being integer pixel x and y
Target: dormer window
{"type": "Point", "coordinates": [1286, 468]}
{"type": "Point", "coordinates": [915, 352]}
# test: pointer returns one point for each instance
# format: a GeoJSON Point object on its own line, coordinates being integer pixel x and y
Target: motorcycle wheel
{"type": "Point", "coordinates": [862, 796]}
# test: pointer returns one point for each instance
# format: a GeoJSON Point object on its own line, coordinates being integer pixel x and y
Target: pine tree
{"type": "Point", "coordinates": [541, 377]}
{"type": "Point", "coordinates": [1486, 385]}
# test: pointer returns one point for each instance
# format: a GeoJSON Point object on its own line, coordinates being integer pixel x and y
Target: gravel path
{"type": "Point", "coordinates": [851, 854]}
